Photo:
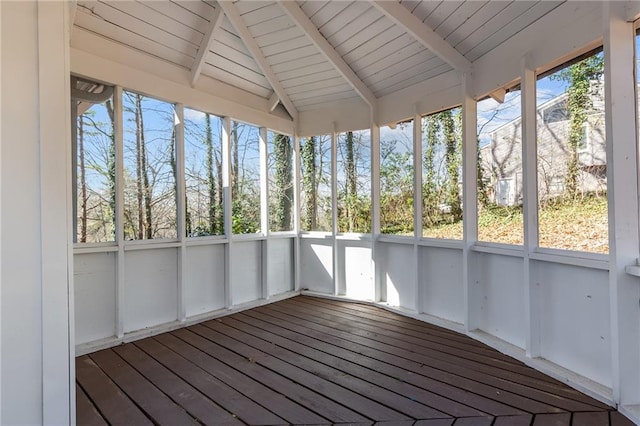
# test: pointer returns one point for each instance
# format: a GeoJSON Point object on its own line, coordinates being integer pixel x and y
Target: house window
{"type": "Point", "coordinates": [150, 173]}
{"type": "Point", "coordinates": [442, 174]}
{"type": "Point", "coordinates": [396, 179]}
{"type": "Point", "coordinates": [354, 182]}
{"type": "Point", "coordinates": [556, 112]}
{"type": "Point", "coordinates": [315, 159]}
{"type": "Point", "coordinates": [204, 213]}
{"type": "Point", "coordinates": [571, 155]}
{"type": "Point", "coordinates": [280, 174]}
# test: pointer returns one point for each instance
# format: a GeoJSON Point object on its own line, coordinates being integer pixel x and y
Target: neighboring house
{"type": "Point", "coordinates": [501, 159]}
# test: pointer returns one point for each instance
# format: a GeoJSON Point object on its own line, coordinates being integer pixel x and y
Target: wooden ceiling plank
{"type": "Point", "coordinates": [109, 31]}
{"type": "Point", "coordinates": [235, 80]}
{"type": "Point", "coordinates": [277, 36]}
{"type": "Point", "coordinates": [442, 13]}
{"type": "Point", "coordinates": [425, 35]}
{"type": "Point", "coordinates": [268, 12]}
{"type": "Point", "coordinates": [239, 25]}
{"type": "Point", "coordinates": [180, 14]}
{"type": "Point", "coordinates": [506, 15]}
{"type": "Point", "coordinates": [363, 21]}
{"type": "Point", "coordinates": [305, 79]}
{"type": "Point", "coordinates": [205, 46]}
{"type": "Point", "coordinates": [246, 73]}
{"type": "Point", "coordinates": [424, 57]}
{"type": "Point", "coordinates": [291, 77]}
{"type": "Point", "coordinates": [115, 13]}
{"type": "Point", "coordinates": [292, 54]}
{"type": "Point", "coordinates": [374, 44]}
{"type": "Point", "coordinates": [390, 53]}
{"type": "Point", "coordinates": [512, 27]}
{"type": "Point", "coordinates": [328, 51]}
{"type": "Point", "coordinates": [286, 46]}
{"type": "Point", "coordinates": [293, 66]}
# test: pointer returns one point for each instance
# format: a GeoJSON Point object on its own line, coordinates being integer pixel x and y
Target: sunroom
{"type": "Point", "coordinates": [362, 211]}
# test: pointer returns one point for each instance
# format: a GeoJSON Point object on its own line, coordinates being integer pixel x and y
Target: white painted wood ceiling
{"type": "Point", "coordinates": [308, 55]}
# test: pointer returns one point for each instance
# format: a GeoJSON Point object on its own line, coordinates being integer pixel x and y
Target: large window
{"type": "Point", "coordinates": [442, 174]}
{"type": "Point", "coordinates": [149, 168]}
{"type": "Point", "coordinates": [203, 174]}
{"type": "Point", "coordinates": [396, 179]}
{"type": "Point", "coordinates": [245, 178]}
{"type": "Point", "coordinates": [500, 177]}
{"type": "Point", "coordinates": [572, 163]}
{"type": "Point", "coordinates": [280, 168]}
{"type": "Point", "coordinates": [354, 182]}
{"type": "Point", "coordinates": [315, 156]}
{"type": "Point", "coordinates": [95, 172]}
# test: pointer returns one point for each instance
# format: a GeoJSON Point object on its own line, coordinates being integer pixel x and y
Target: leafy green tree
{"type": "Point", "coordinates": [282, 190]}
{"type": "Point", "coordinates": [309, 183]}
{"type": "Point", "coordinates": [579, 76]}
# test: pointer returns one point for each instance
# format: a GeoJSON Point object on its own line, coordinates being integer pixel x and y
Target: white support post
{"type": "Point", "coordinates": [378, 282]}
{"type": "Point", "coordinates": [622, 193]}
{"type": "Point", "coordinates": [119, 148]}
{"type": "Point", "coordinates": [530, 207]}
{"type": "Point", "coordinates": [55, 206]}
{"type": "Point", "coordinates": [181, 208]}
{"type": "Point", "coordinates": [264, 210]}
{"type": "Point", "coordinates": [297, 202]}
{"type": "Point", "coordinates": [227, 200]}
{"type": "Point", "coordinates": [417, 206]}
{"type": "Point", "coordinates": [470, 199]}
{"type": "Point", "coordinates": [334, 209]}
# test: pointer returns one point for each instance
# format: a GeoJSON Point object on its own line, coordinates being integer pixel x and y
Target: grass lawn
{"type": "Point", "coordinates": [574, 225]}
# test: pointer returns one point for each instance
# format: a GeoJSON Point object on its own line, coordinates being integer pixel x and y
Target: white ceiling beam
{"type": "Point", "coordinates": [421, 32]}
{"type": "Point", "coordinates": [274, 100]}
{"type": "Point", "coordinates": [73, 7]}
{"type": "Point", "coordinates": [205, 45]}
{"type": "Point", "coordinates": [240, 26]}
{"type": "Point", "coordinates": [301, 19]}
{"type": "Point", "coordinates": [498, 95]}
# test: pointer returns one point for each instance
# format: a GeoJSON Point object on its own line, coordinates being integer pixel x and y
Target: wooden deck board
{"type": "Point", "coordinates": [416, 384]}
{"type": "Point", "coordinates": [445, 368]}
{"type": "Point", "coordinates": [319, 361]}
{"type": "Point", "coordinates": [87, 412]}
{"type": "Point", "coordinates": [573, 400]}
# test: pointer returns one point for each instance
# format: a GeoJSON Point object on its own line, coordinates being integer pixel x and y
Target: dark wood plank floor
{"type": "Point", "coordinates": [317, 361]}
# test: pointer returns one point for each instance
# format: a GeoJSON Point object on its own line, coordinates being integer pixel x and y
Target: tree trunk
{"type": "Point", "coordinates": [83, 182]}
{"type": "Point", "coordinates": [211, 183]}
{"type": "Point", "coordinates": [144, 190]}
{"type": "Point", "coordinates": [283, 191]}
{"type": "Point", "coordinates": [309, 182]}
{"type": "Point", "coordinates": [111, 166]}
{"type": "Point", "coordinates": [453, 164]}
{"type": "Point", "coordinates": [351, 186]}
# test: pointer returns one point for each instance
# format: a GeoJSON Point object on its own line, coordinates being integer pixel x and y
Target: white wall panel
{"type": "Point", "coordinates": [398, 274]}
{"type": "Point", "coordinates": [355, 270]}
{"type": "Point", "coordinates": [499, 286]}
{"type": "Point", "coordinates": [316, 264]}
{"type": "Point", "coordinates": [150, 289]}
{"type": "Point", "coordinates": [204, 279]}
{"type": "Point", "coordinates": [246, 271]}
{"type": "Point", "coordinates": [441, 279]}
{"type": "Point", "coordinates": [574, 319]}
{"type": "Point", "coordinates": [95, 296]}
{"type": "Point", "coordinates": [280, 265]}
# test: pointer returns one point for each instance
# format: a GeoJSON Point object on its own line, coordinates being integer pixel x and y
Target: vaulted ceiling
{"type": "Point", "coordinates": [306, 55]}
